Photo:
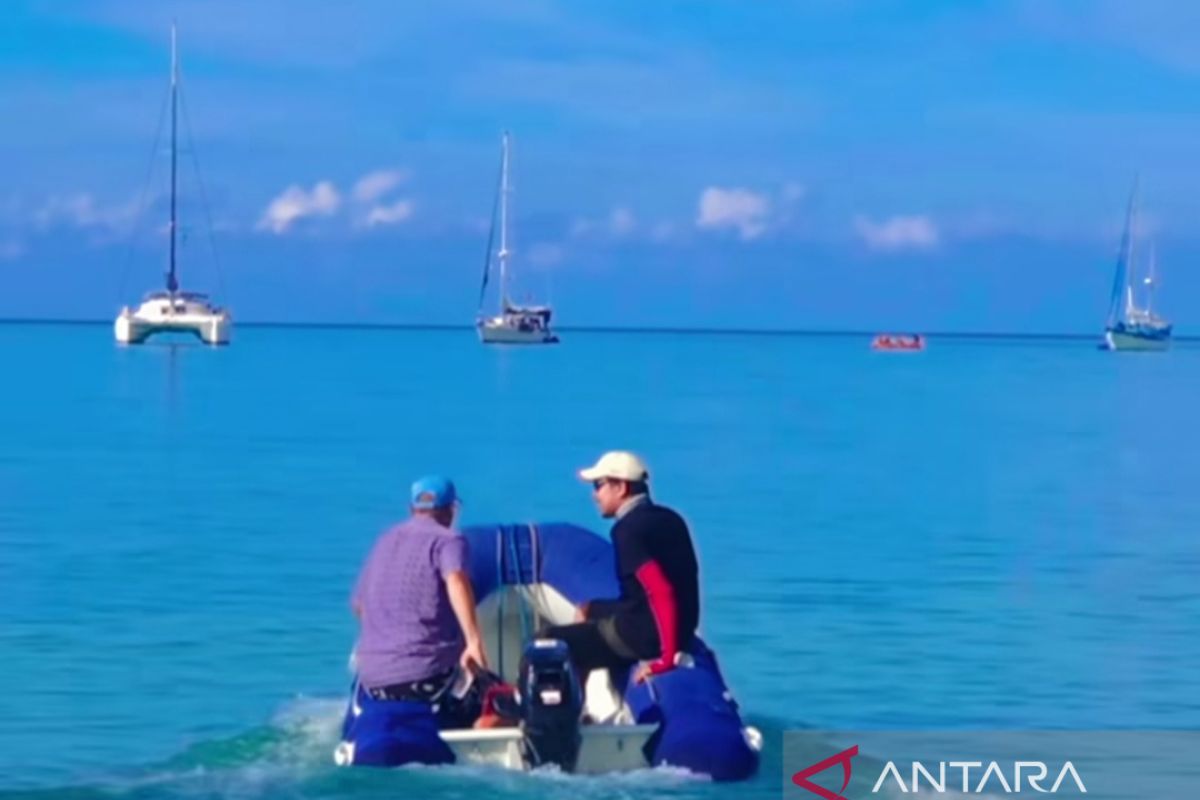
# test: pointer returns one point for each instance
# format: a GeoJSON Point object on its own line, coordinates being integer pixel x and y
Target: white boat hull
{"type": "Point", "coordinates": [1114, 340]}
{"type": "Point", "coordinates": [602, 749]}
{"type": "Point", "coordinates": [211, 326]}
{"type": "Point", "coordinates": [499, 331]}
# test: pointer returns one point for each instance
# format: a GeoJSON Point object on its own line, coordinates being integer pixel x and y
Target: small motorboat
{"type": "Point", "coordinates": [524, 577]}
{"type": "Point", "coordinates": [898, 341]}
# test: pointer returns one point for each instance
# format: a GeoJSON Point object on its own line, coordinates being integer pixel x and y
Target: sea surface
{"type": "Point", "coordinates": [990, 534]}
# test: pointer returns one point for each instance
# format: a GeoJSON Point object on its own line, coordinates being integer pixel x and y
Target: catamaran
{"type": "Point", "coordinates": [1131, 325]}
{"type": "Point", "coordinates": [173, 309]}
{"type": "Point", "coordinates": [514, 324]}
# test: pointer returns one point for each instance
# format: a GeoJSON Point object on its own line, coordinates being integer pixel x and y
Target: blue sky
{"type": "Point", "coordinates": [854, 164]}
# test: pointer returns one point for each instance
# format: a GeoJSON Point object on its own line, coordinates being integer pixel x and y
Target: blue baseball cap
{"type": "Point", "coordinates": [433, 491]}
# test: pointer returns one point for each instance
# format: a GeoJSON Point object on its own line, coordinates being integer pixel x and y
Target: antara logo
{"type": "Point", "coordinates": [801, 778]}
{"type": "Point", "coordinates": [976, 777]}
{"type": "Point", "coordinates": [991, 777]}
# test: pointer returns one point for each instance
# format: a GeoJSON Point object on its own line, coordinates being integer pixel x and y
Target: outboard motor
{"type": "Point", "coordinates": [551, 704]}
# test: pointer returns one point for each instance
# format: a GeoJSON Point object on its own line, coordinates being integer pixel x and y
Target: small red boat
{"type": "Point", "coordinates": [898, 341]}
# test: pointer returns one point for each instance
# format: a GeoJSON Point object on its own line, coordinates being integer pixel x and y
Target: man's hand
{"type": "Point", "coordinates": [462, 600]}
{"type": "Point", "coordinates": [654, 668]}
{"type": "Point", "coordinates": [581, 612]}
{"type": "Point", "coordinates": [473, 654]}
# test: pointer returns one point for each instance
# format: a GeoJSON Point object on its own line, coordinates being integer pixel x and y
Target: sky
{"type": "Point", "coordinates": [815, 164]}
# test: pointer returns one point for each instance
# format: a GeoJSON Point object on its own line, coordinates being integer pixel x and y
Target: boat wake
{"type": "Point", "coordinates": [291, 757]}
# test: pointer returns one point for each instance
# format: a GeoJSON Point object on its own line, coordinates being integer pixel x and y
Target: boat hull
{"type": "Point", "coordinates": [602, 749]}
{"type": "Point", "coordinates": [492, 332]}
{"type": "Point", "coordinates": [210, 329]}
{"type": "Point", "coordinates": [1125, 341]}
{"type": "Point", "coordinates": [208, 324]}
{"type": "Point", "coordinates": [892, 343]}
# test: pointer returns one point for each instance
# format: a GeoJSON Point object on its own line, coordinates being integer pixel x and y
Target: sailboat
{"type": "Point", "coordinates": [514, 324]}
{"type": "Point", "coordinates": [1134, 326]}
{"type": "Point", "coordinates": [172, 309]}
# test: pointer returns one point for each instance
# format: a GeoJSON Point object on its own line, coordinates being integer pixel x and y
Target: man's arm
{"type": "Point", "coordinates": [661, 597]}
{"type": "Point", "coordinates": [462, 600]}
{"type": "Point", "coordinates": [634, 558]}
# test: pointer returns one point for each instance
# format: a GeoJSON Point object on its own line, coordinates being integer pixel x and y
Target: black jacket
{"type": "Point", "coordinates": [651, 532]}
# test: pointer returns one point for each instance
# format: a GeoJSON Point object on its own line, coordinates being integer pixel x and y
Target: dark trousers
{"type": "Point", "coordinates": [589, 649]}
{"type": "Point", "coordinates": [451, 712]}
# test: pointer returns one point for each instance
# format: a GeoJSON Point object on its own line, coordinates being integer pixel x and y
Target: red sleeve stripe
{"type": "Point", "coordinates": [662, 605]}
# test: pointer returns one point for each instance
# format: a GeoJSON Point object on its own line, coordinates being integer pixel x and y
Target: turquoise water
{"type": "Point", "coordinates": [987, 534]}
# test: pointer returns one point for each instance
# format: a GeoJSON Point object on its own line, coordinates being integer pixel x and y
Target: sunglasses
{"type": "Point", "coordinates": [597, 485]}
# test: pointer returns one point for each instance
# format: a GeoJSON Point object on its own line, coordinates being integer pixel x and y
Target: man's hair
{"type": "Point", "coordinates": [637, 487]}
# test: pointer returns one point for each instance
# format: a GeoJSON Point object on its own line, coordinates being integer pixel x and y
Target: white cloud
{"type": "Point", "coordinates": [898, 233]}
{"type": "Point", "coordinates": [83, 211]}
{"type": "Point", "coordinates": [733, 208]}
{"type": "Point", "coordinates": [621, 221]}
{"type": "Point", "coordinates": [374, 185]}
{"type": "Point", "coordinates": [369, 192]}
{"type": "Point", "coordinates": [399, 211]}
{"type": "Point", "coordinates": [369, 209]}
{"type": "Point", "coordinates": [295, 203]}
{"type": "Point", "coordinates": [546, 254]}
{"type": "Point", "coordinates": [791, 196]}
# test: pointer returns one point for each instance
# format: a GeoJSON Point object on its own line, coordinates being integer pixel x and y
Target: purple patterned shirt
{"type": "Point", "coordinates": [408, 628]}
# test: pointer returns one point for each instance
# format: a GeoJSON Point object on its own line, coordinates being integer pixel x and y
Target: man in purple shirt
{"type": "Point", "coordinates": [414, 602]}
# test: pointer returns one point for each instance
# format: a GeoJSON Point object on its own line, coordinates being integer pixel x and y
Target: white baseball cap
{"type": "Point", "coordinates": [618, 464]}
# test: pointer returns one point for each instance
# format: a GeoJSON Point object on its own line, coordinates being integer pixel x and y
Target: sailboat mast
{"type": "Point", "coordinates": [172, 280]}
{"type": "Point", "coordinates": [1150, 279]}
{"type": "Point", "coordinates": [503, 255]}
{"type": "Point", "coordinates": [1131, 269]}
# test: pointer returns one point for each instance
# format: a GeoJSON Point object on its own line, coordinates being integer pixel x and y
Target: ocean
{"type": "Point", "coordinates": [994, 533]}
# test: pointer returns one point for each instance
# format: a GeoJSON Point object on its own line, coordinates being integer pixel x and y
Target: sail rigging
{"type": "Point", "coordinates": [172, 277]}
{"type": "Point", "coordinates": [1117, 299]}
{"type": "Point", "coordinates": [487, 257]}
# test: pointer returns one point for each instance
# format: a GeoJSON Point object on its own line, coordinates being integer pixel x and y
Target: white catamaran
{"type": "Point", "coordinates": [173, 309]}
{"type": "Point", "coordinates": [1134, 326]}
{"type": "Point", "coordinates": [515, 324]}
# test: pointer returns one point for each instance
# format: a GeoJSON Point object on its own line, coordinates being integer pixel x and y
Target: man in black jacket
{"type": "Point", "coordinates": [656, 615]}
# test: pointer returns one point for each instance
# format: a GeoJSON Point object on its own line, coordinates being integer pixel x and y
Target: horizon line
{"type": "Point", "coordinates": [631, 329]}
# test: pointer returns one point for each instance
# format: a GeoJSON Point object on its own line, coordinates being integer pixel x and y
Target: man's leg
{"type": "Point", "coordinates": [589, 649]}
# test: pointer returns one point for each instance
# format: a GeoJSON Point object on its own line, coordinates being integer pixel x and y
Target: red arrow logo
{"type": "Point", "coordinates": [801, 778]}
